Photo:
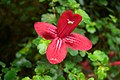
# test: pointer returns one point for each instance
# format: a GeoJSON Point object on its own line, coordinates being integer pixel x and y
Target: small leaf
{"type": "Point", "coordinates": [76, 70]}
{"type": "Point", "coordinates": [85, 17]}
{"type": "Point", "coordinates": [90, 27]}
{"type": "Point", "coordinates": [101, 72]}
{"type": "Point", "coordinates": [41, 0]}
{"type": "Point", "coordinates": [82, 53]}
{"type": "Point", "coordinates": [22, 62]}
{"type": "Point", "coordinates": [92, 57]}
{"type": "Point", "coordinates": [2, 64]}
{"type": "Point", "coordinates": [50, 18]}
{"type": "Point", "coordinates": [37, 41]}
{"type": "Point", "coordinates": [103, 2]}
{"type": "Point", "coordinates": [42, 48]}
{"type": "Point", "coordinates": [40, 69]}
{"type": "Point", "coordinates": [61, 78]}
{"type": "Point", "coordinates": [113, 18]}
{"type": "Point", "coordinates": [73, 4]}
{"type": "Point", "coordinates": [68, 66]}
{"type": "Point", "coordinates": [37, 77]}
{"type": "Point", "coordinates": [60, 9]}
{"type": "Point", "coordinates": [71, 76]}
{"type": "Point", "coordinates": [10, 75]}
{"type": "Point", "coordinates": [81, 76]}
{"type": "Point", "coordinates": [73, 52]}
{"type": "Point", "coordinates": [4, 70]}
{"type": "Point", "coordinates": [80, 31]}
{"type": "Point", "coordinates": [47, 77]}
{"type": "Point", "coordinates": [91, 78]}
{"type": "Point", "coordinates": [26, 78]}
{"type": "Point", "coordinates": [99, 24]}
{"type": "Point", "coordinates": [94, 39]}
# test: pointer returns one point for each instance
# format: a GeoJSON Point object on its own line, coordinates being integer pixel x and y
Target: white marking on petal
{"type": "Point", "coordinates": [70, 22]}
{"type": "Point", "coordinates": [60, 44]}
{"type": "Point", "coordinates": [57, 45]}
{"type": "Point", "coordinates": [54, 59]}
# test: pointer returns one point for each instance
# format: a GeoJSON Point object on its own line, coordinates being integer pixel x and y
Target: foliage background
{"type": "Point", "coordinates": [23, 52]}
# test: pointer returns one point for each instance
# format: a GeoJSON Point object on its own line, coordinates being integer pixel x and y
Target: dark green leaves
{"type": "Point", "coordinates": [10, 75]}
{"type": "Point", "coordinates": [40, 69]}
{"type": "Point", "coordinates": [73, 52]}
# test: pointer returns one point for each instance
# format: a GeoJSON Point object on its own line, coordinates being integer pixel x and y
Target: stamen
{"type": "Point", "coordinates": [70, 22]}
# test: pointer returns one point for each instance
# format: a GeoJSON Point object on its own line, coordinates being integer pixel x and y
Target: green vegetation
{"type": "Point", "coordinates": [22, 54]}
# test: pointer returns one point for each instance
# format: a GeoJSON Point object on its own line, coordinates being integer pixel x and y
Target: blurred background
{"type": "Point", "coordinates": [17, 19]}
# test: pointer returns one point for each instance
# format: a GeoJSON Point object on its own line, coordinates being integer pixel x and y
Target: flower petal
{"type": "Point", "coordinates": [78, 42]}
{"type": "Point", "coordinates": [56, 51]}
{"type": "Point", "coordinates": [67, 23]}
{"type": "Point", "coordinates": [45, 30]}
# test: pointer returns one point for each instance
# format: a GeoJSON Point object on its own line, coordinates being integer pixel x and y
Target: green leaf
{"type": "Point", "coordinates": [73, 4]}
{"type": "Point", "coordinates": [73, 52]}
{"type": "Point", "coordinates": [4, 70]}
{"type": "Point", "coordinates": [103, 2]}
{"type": "Point", "coordinates": [76, 70]}
{"type": "Point", "coordinates": [94, 39]}
{"type": "Point", "coordinates": [22, 62]}
{"type": "Point", "coordinates": [26, 78]}
{"type": "Point", "coordinates": [40, 69]}
{"type": "Point", "coordinates": [92, 57]}
{"type": "Point", "coordinates": [101, 56]}
{"type": "Point", "coordinates": [41, 0]}
{"type": "Point", "coordinates": [85, 17]}
{"type": "Point", "coordinates": [61, 78]}
{"type": "Point", "coordinates": [63, 3]}
{"type": "Point", "coordinates": [117, 40]}
{"type": "Point", "coordinates": [82, 53]}
{"type": "Point", "coordinates": [80, 31]}
{"type": "Point", "coordinates": [54, 0]}
{"type": "Point", "coordinates": [37, 77]}
{"type": "Point", "coordinates": [2, 64]}
{"type": "Point", "coordinates": [90, 27]}
{"type": "Point", "coordinates": [6, 2]}
{"type": "Point", "coordinates": [42, 48]}
{"type": "Point", "coordinates": [0, 78]}
{"type": "Point", "coordinates": [81, 76]}
{"type": "Point", "coordinates": [45, 41]}
{"type": "Point", "coordinates": [76, 59]}
{"type": "Point", "coordinates": [50, 18]}
{"type": "Point", "coordinates": [68, 66]}
{"type": "Point", "coordinates": [24, 17]}
{"type": "Point", "coordinates": [25, 50]}
{"type": "Point", "coordinates": [91, 78]}
{"type": "Point", "coordinates": [101, 72]}
{"type": "Point", "coordinates": [37, 41]}
{"type": "Point", "coordinates": [113, 18]}
{"type": "Point", "coordinates": [99, 24]}
{"type": "Point", "coordinates": [46, 77]}
{"type": "Point", "coordinates": [60, 9]}
{"type": "Point", "coordinates": [10, 75]}
{"type": "Point", "coordinates": [71, 76]}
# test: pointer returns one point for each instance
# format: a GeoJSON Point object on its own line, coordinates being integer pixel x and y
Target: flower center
{"type": "Point", "coordinates": [70, 22]}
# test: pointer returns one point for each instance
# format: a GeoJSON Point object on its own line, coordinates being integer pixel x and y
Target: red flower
{"type": "Point", "coordinates": [62, 37]}
{"type": "Point", "coordinates": [117, 63]}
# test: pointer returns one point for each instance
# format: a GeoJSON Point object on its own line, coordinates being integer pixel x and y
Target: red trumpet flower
{"type": "Point", "coordinates": [62, 37]}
